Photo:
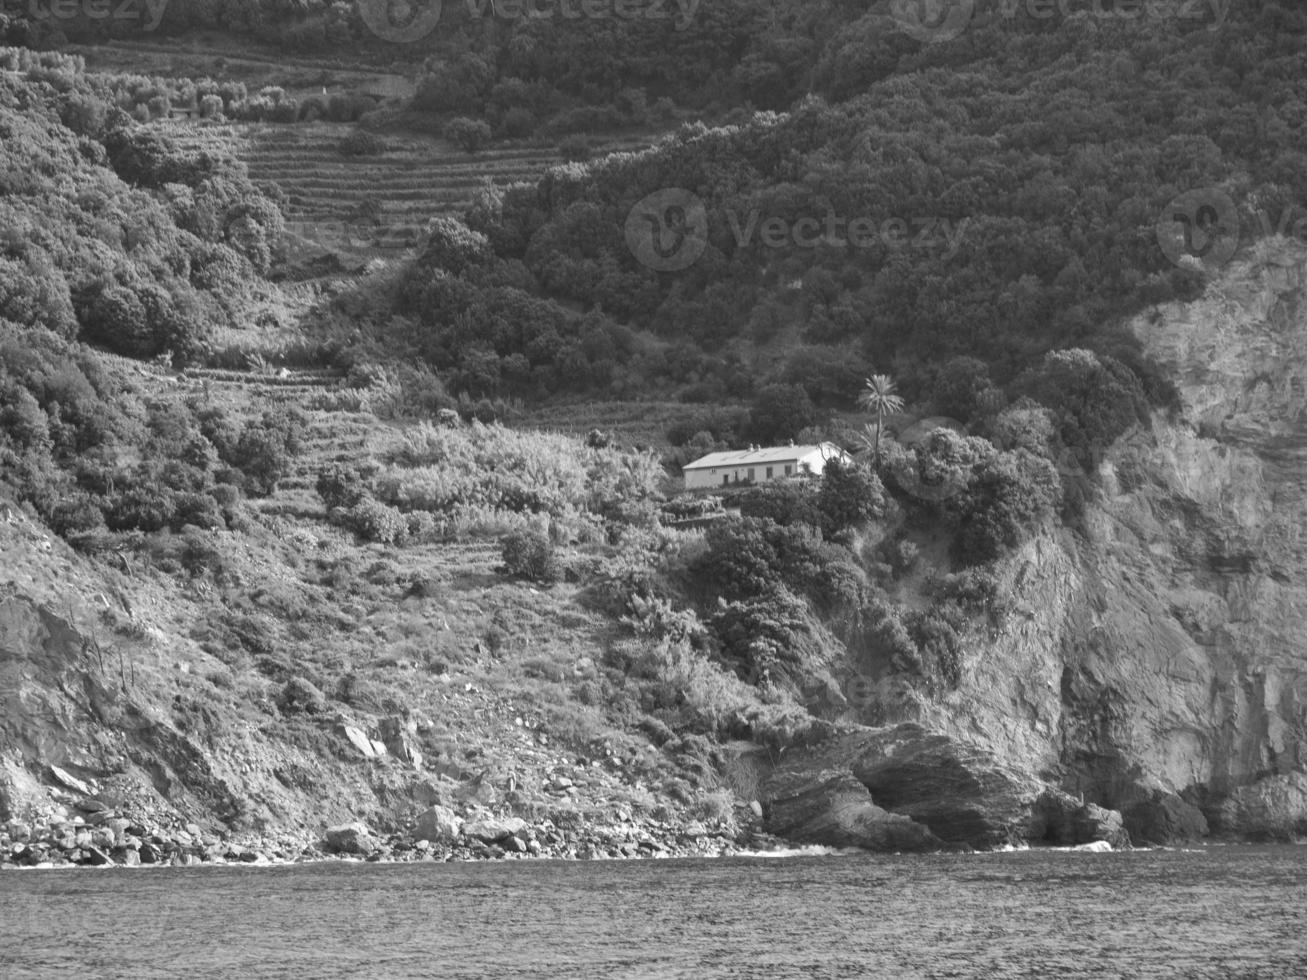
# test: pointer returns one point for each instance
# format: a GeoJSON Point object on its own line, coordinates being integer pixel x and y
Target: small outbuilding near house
{"type": "Point", "coordinates": [759, 465]}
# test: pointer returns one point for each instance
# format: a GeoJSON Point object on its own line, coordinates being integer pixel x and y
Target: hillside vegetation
{"type": "Point", "coordinates": [308, 530]}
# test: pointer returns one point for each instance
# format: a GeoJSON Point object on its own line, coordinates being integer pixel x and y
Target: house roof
{"type": "Point", "coordinates": [761, 456]}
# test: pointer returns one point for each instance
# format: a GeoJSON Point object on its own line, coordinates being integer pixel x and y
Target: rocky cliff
{"type": "Point", "coordinates": [1156, 659]}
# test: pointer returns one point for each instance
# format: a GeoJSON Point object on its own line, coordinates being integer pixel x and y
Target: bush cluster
{"type": "Point", "coordinates": [530, 555]}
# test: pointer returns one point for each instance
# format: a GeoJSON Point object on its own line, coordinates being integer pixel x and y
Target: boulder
{"type": "Point", "coordinates": [835, 809]}
{"type": "Point", "coordinates": [1068, 822]}
{"type": "Point", "coordinates": [439, 824]}
{"type": "Point", "coordinates": [399, 735]}
{"type": "Point", "coordinates": [18, 831]}
{"type": "Point", "coordinates": [350, 838]}
{"type": "Point", "coordinates": [491, 830]}
{"type": "Point", "coordinates": [1095, 847]}
{"type": "Point", "coordinates": [360, 741]}
{"type": "Point", "coordinates": [118, 827]}
{"type": "Point", "coordinates": [103, 839]}
{"type": "Point", "coordinates": [1164, 818]}
{"type": "Point", "coordinates": [1095, 824]}
{"type": "Point", "coordinates": [67, 779]}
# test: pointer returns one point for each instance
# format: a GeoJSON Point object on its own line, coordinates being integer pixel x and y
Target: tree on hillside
{"type": "Point", "coordinates": [880, 398]}
{"type": "Point", "coordinates": [470, 134]}
{"type": "Point", "coordinates": [780, 412]}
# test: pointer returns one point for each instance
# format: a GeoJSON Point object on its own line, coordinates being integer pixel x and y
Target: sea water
{"type": "Point", "coordinates": [1213, 912]}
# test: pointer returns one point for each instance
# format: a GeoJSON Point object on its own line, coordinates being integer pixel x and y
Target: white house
{"type": "Point", "coordinates": [759, 465]}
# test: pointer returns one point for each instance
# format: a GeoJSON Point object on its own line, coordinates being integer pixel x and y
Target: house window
{"type": "Point", "coordinates": [751, 471]}
{"type": "Point", "coordinates": [726, 479]}
{"type": "Point", "coordinates": [769, 472]}
{"type": "Point", "coordinates": [789, 469]}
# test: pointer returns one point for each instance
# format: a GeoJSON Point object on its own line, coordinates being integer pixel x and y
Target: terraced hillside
{"type": "Point", "coordinates": [338, 423]}
{"type": "Point", "coordinates": [218, 56]}
{"type": "Point", "coordinates": [375, 203]}
{"type": "Point", "coordinates": [471, 673]}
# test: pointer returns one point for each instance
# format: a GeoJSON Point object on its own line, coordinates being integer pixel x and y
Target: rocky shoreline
{"type": "Point", "coordinates": [109, 838]}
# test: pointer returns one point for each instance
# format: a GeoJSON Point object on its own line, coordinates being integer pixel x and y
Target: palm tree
{"type": "Point", "coordinates": [879, 397]}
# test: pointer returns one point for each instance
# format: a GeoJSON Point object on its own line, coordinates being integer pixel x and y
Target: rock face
{"type": "Point", "coordinates": [491, 830]}
{"type": "Point", "coordinates": [1270, 809]}
{"type": "Point", "coordinates": [1155, 661]}
{"type": "Point", "coordinates": [959, 791]}
{"type": "Point", "coordinates": [1068, 822]}
{"type": "Point", "coordinates": [1162, 818]}
{"type": "Point", "coordinates": [439, 825]}
{"type": "Point", "coordinates": [840, 790]}
{"type": "Point", "coordinates": [833, 808]}
{"type": "Point", "coordinates": [350, 838]}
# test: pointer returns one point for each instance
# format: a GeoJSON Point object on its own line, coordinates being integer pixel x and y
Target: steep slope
{"type": "Point", "coordinates": [298, 678]}
{"type": "Point", "coordinates": [1154, 661]}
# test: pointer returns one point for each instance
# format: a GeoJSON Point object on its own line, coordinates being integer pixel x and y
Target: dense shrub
{"type": "Point", "coordinates": [374, 521]}
{"type": "Point", "coordinates": [1009, 496]}
{"type": "Point", "coordinates": [753, 557]}
{"type": "Point", "coordinates": [301, 696]}
{"type": "Point", "coordinates": [266, 448]}
{"type": "Point", "coordinates": [361, 143]}
{"type": "Point", "coordinates": [1095, 399]}
{"type": "Point", "coordinates": [780, 412]}
{"type": "Point", "coordinates": [453, 247]}
{"type": "Point", "coordinates": [530, 555]}
{"type": "Point", "coordinates": [469, 134]}
{"type": "Point", "coordinates": [785, 502]}
{"type": "Point", "coordinates": [769, 638]}
{"type": "Point", "coordinates": [341, 485]}
{"type": "Point", "coordinates": [850, 496]}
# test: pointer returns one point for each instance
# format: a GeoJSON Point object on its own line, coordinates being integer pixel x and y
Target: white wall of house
{"type": "Point", "coordinates": [809, 459]}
